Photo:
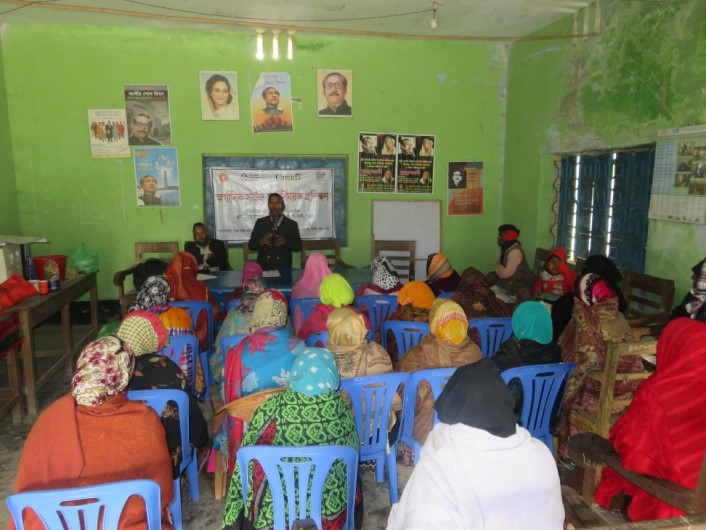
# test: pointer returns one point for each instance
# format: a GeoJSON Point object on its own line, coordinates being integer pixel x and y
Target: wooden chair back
{"type": "Point", "coordinates": [401, 253]}
{"type": "Point", "coordinates": [649, 298]}
{"type": "Point", "coordinates": [331, 248]}
{"type": "Point", "coordinates": [608, 377]}
{"type": "Point", "coordinates": [540, 258]}
{"type": "Point", "coordinates": [592, 451]}
{"type": "Point", "coordinates": [248, 254]}
{"type": "Point", "coordinates": [156, 249]}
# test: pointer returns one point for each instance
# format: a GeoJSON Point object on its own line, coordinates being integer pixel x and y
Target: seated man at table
{"type": "Point", "coordinates": [275, 237]}
{"type": "Point", "coordinates": [211, 254]}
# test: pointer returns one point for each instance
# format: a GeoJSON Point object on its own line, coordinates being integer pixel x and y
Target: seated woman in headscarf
{"type": "Point", "coordinates": [478, 468]}
{"type": "Point", "coordinates": [334, 292]}
{"type": "Point", "coordinates": [315, 270]}
{"type": "Point", "coordinates": [477, 299]}
{"type": "Point", "coordinates": [181, 274]}
{"type": "Point", "coordinates": [154, 297]}
{"type": "Point", "coordinates": [237, 322]}
{"type": "Point", "coordinates": [446, 346]}
{"type": "Point", "coordinates": [562, 309]}
{"type": "Point", "coordinates": [531, 339]}
{"type": "Point", "coordinates": [441, 276]}
{"type": "Point", "coordinates": [251, 270]}
{"type": "Point", "coordinates": [530, 343]}
{"type": "Point", "coordinates": [414, 302]}
{"type": "Point", "coordinates": [75, 441]}
{"type": "Point", "coordinates": [384, 277]}
{"type": "Point", "coordinates": [144, 334]}
{"type": "Point", "coordinates": [663, 432]}
{"type": "Point", "coordinates": [261, 361]}
{"type": "Point", "coordinates": [595, 321]}
{"type": "Point", "coordinates": [693, 305]}
{"type": "Point", "coordinates": [347, 339]}
{"type": "Point", "coordinates": [309, 412]}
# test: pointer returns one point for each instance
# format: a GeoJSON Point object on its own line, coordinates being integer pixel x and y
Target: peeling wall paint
{"type": "Point", "coordinates": [642, 73]}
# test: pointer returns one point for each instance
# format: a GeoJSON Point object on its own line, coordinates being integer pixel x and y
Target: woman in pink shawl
{"type": "Point", "coordinates": [315, 270]}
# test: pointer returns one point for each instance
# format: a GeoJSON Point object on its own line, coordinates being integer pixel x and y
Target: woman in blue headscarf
{"type": "Point", "coordinates": [531, 341]}
{"type": "Point", "coordinates": [309, 412]}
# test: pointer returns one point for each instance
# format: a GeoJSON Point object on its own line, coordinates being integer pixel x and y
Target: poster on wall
{"type": "Point", "coordinates": [271, 103]}
{"type": "Point", "coordinates": [219, 96]}
{"type": "Point", "coordinates": [147, 108]}
{"type": "Point", "coordinates": [376, 171]}
{"type": "Point", "coordinates": [156, 176]}
{"type": "Point", "coordinates": [108, 133]}
{"type": "Point", "coordinates": [240, 198]}
{"type": "Point", "coordinates": [465, 188]}
{"type": "Point", "coordinates": [415, 164]}
{"type": "Point", "coordinates": [335, 93]}
{"type": "Point", "coordinates": [679, 178]}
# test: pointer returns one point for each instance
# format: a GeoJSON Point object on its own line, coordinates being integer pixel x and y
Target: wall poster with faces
{"type": "Point", "coordinates": [396, 163]}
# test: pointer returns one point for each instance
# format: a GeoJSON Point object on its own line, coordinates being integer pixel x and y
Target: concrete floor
{"type": "Point", "coordinates": [204, 514]}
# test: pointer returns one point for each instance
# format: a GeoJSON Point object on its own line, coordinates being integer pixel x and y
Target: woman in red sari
{"type": "Point", "coordinates": [663, 432]}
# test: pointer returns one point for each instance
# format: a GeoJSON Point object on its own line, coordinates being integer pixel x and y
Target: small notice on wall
{"type": "Point", "coordinates": [679, 180]}
{"type": "Point", "coordinates": [108, 129]}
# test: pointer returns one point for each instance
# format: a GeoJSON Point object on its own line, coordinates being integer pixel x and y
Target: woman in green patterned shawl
{"type": "Point", "coordinates": [310, 412]}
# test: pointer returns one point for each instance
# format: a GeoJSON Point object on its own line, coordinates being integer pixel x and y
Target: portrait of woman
{"type": "Point", "coordinates": [219, 96]}
{"type": "Point", "coordinates": [427, 148]}
{"type": "Point", "coordinates": [388, 146]}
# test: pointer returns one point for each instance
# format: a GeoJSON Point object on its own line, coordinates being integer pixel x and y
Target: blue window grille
{"type": "Point", "coordinates": [604, 200]}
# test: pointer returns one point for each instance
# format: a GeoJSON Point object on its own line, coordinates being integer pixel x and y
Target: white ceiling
{"type": "Point", "coordinates": [457, 19]}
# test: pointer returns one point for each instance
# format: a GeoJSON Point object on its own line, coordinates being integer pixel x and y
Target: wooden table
{"type": "Point", "coordinates": [11, 399]}
{"type": "Point", "coordinates": [36, 310]}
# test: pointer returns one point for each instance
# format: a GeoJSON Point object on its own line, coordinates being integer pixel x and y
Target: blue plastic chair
{"type": "Point", "coordinates": [232, 304]}
{"type": "Point", "coordinates": [290, 470]}
{"type": "Point", "coordinates": [407, 334]}
{"type": "Point", "coordinates": [317, 340]}
{"type": "Point", "coordinates": [173, 350]}
{"type": "Point", "coordinates": [157, 399]}
{"type": "Point", "coordinates": [541, 384]}
{"type": "Point", "coordinates": [228, 342]}
{"type": "Point", "coordinates": [378, 307]}
{"type": "Point", "coordinates": [447, 294]}
{"type": "Point", "coordinates": [194, 308]}
{"type": "Point", "coordinates": [437, 378]}
{"type": "Point", "coordinates": [100, 504]}
{"type": "Point", "coordinates": [300, 309]}
{"type": "Point", "coordinates": [371, 398]}
{"type": "Point", "coordinates": [493, 332]}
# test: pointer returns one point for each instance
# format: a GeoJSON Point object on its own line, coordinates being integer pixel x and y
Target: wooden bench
{"type": "Point", "coordinates": [592, 452]}
{"type": "Point", "coordinates": [649, 299]}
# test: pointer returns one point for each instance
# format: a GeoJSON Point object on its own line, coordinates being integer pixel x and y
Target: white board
{"type": "Point", "coordinates": [418, 221]}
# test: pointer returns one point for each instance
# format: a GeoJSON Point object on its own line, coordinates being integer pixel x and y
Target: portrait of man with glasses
{"type": "Point", "coordinates": [335, 89]}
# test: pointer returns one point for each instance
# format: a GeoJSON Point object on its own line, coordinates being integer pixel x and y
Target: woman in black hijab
{"type": "Point", "coordinates": [478, 468]}
{"type": "Point", "coordinates": [604, 267]}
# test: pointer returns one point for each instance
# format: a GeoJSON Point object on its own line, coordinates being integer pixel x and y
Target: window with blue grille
{"type": "Point", "coordinates": [604, 200]}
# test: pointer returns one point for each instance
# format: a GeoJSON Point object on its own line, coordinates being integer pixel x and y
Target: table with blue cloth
{"type": "Point", "coordinates": [225, 281]}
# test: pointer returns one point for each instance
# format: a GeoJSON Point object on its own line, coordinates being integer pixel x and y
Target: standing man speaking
{"type": "Point", "coordinates": [275, 237]}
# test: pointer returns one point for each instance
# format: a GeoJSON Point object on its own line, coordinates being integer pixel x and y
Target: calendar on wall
{"type": "Point", "coordinates": [679, 181]}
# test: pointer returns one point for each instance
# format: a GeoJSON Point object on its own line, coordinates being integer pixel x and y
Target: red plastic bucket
{"type": "Point", "coordinates": [40, 261]}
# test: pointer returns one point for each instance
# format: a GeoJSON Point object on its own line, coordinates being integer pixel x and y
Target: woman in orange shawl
{"type": "Point", "coordinates": [663, 432]}
{"type": "Point", "coordinates": [413, 305]}
{"type": "Point", "coordinates": [183, 286]}
{"type": "Point", "coordinates": [96, 435]}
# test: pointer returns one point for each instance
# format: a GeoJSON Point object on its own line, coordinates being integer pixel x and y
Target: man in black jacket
{"type": "Point", "coordinates": [211, 254]}
{"type": "Point", "coordinates": [275, 237]}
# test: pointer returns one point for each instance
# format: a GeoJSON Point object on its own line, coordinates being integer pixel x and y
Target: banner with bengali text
{"type": "Point", "coordinates": [240, 198]}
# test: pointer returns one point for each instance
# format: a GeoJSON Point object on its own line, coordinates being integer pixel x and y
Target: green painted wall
{"type": "Point", "coordinates": [9, 219]}
{"type": "Point", "coordinates": [645, 71]}
{"type": "Point", "coordinates": [452, 89]}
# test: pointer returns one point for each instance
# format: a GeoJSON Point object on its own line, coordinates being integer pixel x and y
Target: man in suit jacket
{"type": "Point", "coordinates": [211, 254]}
{"type": "Point", "coordinates": [275, 237]}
